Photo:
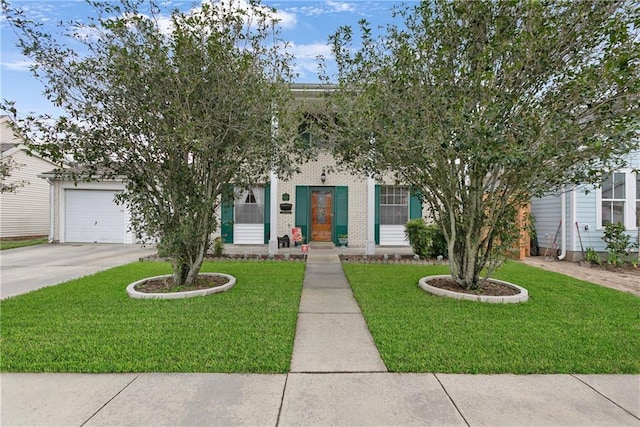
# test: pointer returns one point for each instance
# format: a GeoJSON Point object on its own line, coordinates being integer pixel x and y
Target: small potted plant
{"type": "Point", "coordinates": [343, 239]}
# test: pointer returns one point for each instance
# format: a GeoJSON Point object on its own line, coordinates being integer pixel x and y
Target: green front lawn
{"type": "Point", "coordinates": [10, 244]}
{"type": "Point", "coordinates": [91, 325]}
{"type": "Point", "coordinates": [567, 326]}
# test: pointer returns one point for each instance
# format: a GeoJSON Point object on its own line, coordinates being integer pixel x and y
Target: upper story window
{"type": "Point", "coordinates": [250, 206]}
{"type": "Point", "coordinates": [394, 205]}
{"type": "Point", "coordinates": [310, 131]}
{"type": "Point", "coordinates": [614, 196]}
{"type": "Point", "coordinates": [619, 200]}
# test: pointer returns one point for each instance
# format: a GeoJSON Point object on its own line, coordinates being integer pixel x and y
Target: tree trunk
{"type": "Point", "coordinates": [186, 268]}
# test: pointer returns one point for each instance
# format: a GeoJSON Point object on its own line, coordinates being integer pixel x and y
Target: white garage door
{"type": "Point", "coordinates": [93, 216]}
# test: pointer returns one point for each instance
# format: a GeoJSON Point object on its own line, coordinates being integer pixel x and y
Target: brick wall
{"type": "Point", "coordinates": [310, 176]}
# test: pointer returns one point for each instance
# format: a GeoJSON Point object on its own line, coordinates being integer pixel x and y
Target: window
{"type": "Point", "coordinates": [619, 200]}
{"type": "Point", "coordinates": [613, 198]}
{"type": "Point", "coordinates": [310, 131]}
{"type": "Point", "coordinates": [394, 205]}
{"type": "Point", "coordinates": [250, 207]}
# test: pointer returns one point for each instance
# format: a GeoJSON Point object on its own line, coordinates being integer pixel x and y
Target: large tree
{"type": "Point", "coordinates": [179, 103]}
{"type": "Point", "coordinates": [480, 105]}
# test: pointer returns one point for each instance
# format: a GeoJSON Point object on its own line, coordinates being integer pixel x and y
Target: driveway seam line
{"type": "Point", "coordinates": [610, 400]}
{"type": "Point", "coordinates": [110, 400]}
{"type": "Point", "coordinates": [284, 391]}
{"type": "Point", "coordinates": [451, 399]}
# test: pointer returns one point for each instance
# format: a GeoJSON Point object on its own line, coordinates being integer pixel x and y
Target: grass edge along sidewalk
{"type": "Point", "coordinates": [9, 243]}
{"type": "Point", "coordinates": [567, 326]}
{"type": "Point", "coordinates": [91, 325]}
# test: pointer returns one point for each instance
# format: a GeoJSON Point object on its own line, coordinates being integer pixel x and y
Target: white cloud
{"type": "Point", "coordinates": [306, 59]}
{"type": "Point", "coordinates": [337, 6]}
{"type": "Point", "coordinates": [328, 7]}
{"type": "Point", "coordinates": [285, 19]}
{"type": "Point", "coordinates": [18, 65]}
{"type": "Point", "coordinates": [310, 51]}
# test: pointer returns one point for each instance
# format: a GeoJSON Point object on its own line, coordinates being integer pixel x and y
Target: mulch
{"type": "Point", "coordinates": [485, 287]}
{"type": "Point", "coordinates": [155, 286]}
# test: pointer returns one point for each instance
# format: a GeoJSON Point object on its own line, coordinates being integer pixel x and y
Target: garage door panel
{"type": "Point", "coordinates": [93, 216]}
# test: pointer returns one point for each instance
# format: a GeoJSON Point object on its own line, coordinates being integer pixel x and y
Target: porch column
{"type": "Point", "coordinates": [273, 209]}
{"type": "Point", "coordinates": [370, 244]}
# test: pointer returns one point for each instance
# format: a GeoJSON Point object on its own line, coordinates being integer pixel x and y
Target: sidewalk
{"type": "Point", "coordinates": [337, 378]}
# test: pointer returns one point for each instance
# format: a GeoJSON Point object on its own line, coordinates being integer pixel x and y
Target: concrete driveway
{"type": "Point", "coordinates": [34, 267]}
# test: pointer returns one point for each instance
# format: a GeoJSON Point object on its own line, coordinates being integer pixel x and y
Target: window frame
{"type": "Point", "coordinates": [384, 198]}
{"type": "Point", "coordinates": [254, 192]}
{"type": "Point", "coordinates": [631, 203]}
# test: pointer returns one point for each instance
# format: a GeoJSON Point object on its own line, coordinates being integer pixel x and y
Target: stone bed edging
{"type": "Point", "coordinates": [133, 293]}
{"type": "Point", "coordinates": [505, 299]}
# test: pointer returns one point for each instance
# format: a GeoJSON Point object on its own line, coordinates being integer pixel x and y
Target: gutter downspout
{"type": "Point", "coordinates": [563, 221]}
{"type": "Point", "coordinates": [52, 213]}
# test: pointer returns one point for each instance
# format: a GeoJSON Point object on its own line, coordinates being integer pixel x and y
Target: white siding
{"type": "Point", "coordinates": [248, 234]}
{"type": "Point", "coordinates": [6, 132]}
{"type": "Point", "coordinates": [392, 235]}
{"type": "Point", "coordinates": [26, 212]}
{"type": "Point", "coordinates": [546, 212]}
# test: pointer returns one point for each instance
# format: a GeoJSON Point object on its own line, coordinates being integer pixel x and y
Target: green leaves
{"type": "Point", "coordinates": [179, 103]}
{"type": "Point", "coordinates": [482, 105]}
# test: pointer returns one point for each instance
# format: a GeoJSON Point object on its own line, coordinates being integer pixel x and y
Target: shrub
{"type": "Point", "coordinates": [218, 247]}
{"type": "Point", "coordinates": [427, 241]}
{"type": "Point", "coordinates": [592, 256]}
{"type": "Point", "coordinates": [417, 233]}
{"type": "Point", "coordinates": [618, 242]}
{"type": "Point", "coordinates": [438, 242]}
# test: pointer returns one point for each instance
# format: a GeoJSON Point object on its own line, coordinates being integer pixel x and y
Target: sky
{"type": "Point", "coordinates": [307, 26]}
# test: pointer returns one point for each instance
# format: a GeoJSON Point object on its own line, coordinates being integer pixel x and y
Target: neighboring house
{"type": "Point", "coordinates": [324, 205]}
{"type": "Point", "coordinates": [576, 218]}
{"type": "Point", "coordinates": [25, 212]}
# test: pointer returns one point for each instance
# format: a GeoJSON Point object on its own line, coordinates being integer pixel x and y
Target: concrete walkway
{"type": "Point", "coordinates": [337, 378]}
{"type": "Point", "coordinates": [331, 335]}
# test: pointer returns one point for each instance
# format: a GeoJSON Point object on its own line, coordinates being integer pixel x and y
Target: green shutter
{"type": "Point", "coordinates": [415, 207]}
{"type": "Point", "coordinates": [226, 227]}
{"type": "Point", "coordinates": [377, 216]}
{"type": "Point", "coordinates": [341, 210]}
{"type": "Point", "coordinates": [267, 212]}
{"type": "Point", "coordinates": [302, 210]}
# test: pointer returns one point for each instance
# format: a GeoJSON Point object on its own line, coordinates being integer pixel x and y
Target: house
{"type": "Point", "coordinates": [25, 211]}
{"type": "Point", "coordinates": [325, 204]}
{"type": "Point", "coordinates": [569, 223]}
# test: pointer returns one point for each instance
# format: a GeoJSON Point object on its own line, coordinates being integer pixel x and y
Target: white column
{"type": "Point", "coordinates": [370, 244]}
{"type": "Point", "coordinates": [273, 209]}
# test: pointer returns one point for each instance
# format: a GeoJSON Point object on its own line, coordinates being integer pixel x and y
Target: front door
{"type": "Point", "coordinates": [321, 215]}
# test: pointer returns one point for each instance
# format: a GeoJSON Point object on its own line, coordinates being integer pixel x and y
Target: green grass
{"type": "Point", "coordinates": [10, 244]}
{"type": "Point", "coordinates": [91, 325]}
{"type": "Point", "coordinates": [567, 326]}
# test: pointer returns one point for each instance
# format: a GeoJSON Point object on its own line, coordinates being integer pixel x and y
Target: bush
{"type": "Point", "coordinates": [418, 235]}
{"type": "Point", "coordinates": [427, 241]}
{"type": "Point", "coordinates": [592, 256]}
{"type": "Point", "coordinates": [438, 242]}
{"type": "Point", "coordinates": [618, 242]}
{"type": "Point", "coordinates": [218, 247]}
